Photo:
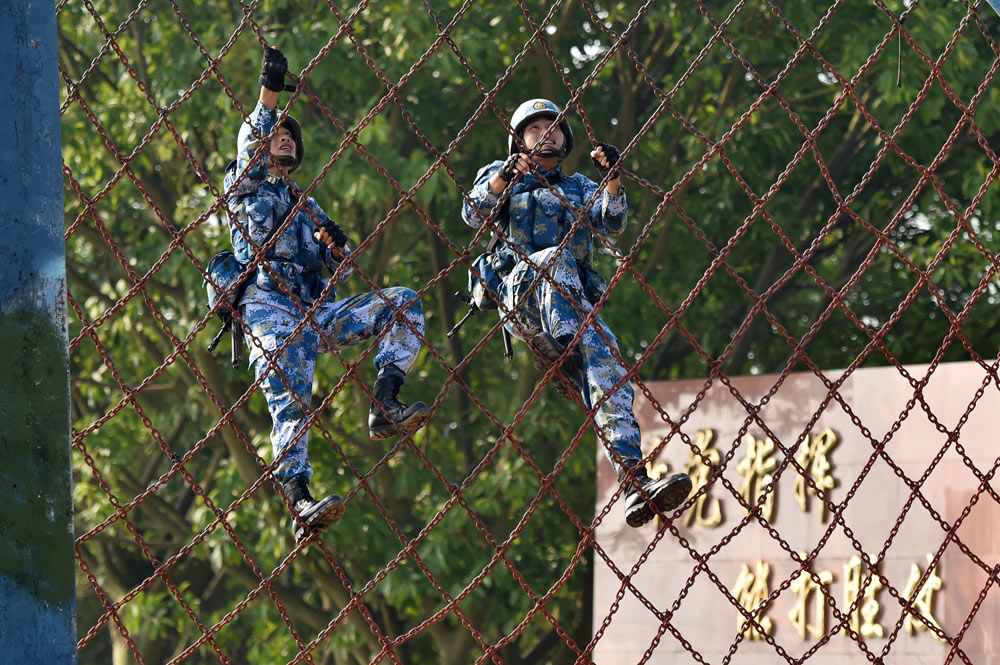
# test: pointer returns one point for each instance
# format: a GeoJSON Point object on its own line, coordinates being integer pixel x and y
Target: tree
{"type": "Point", "coordinates": [145, 396]}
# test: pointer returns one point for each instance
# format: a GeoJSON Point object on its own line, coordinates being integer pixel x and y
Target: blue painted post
{"type": "Point", "coordinates": [37, 594]}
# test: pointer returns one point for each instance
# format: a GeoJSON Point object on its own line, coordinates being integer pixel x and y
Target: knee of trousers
{"type": "Point", "coordinates": [562, 271]}
{"type": "Point", "coordinates": [563, 259]}
{"type": "Point", "coordinates": [400, 295]}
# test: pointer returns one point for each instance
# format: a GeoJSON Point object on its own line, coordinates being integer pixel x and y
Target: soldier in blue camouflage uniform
{"type": "Point", "coordinates": [537, 222]}
{"type": "Point", "coordinates": [288, 282]}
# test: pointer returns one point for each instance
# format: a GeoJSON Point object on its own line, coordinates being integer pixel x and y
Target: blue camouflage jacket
{"type": "Point", "coordinates": [538, 219]}
{"type": "Point", "coordinates": [257, 203]}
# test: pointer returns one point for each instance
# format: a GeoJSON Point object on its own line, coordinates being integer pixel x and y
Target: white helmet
{"type": "Point", "coordinates": [534, 108]}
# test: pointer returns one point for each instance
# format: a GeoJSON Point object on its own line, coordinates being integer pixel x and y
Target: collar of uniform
{"type": "Point", "coordinates": [273, 179]}
{"type": "Point", "coordinates": [551, 176]}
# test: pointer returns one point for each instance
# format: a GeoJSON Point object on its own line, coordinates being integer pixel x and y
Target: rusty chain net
{"type": "Point", "coordinates": [809, 187]}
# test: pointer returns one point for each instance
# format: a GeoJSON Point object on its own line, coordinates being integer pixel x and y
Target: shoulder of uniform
{"type": "Point", "coordinates": [492, 166]}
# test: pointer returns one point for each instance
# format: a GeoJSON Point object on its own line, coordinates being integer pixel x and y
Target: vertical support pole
{"type": "Point", "coordinates": [37, 593]}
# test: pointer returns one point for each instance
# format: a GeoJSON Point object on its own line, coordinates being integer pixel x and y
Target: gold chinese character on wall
{"type": "Point", "coordinates": [804, 587]}
{"type": "Point", "coordinates": [813, 458]}
{"type": "Point", "coordinates": [863, 615]}
{"type": "Point", "coordinates": [756, 468]}
{"type": "Point", "coordinates": [706, 511]}
{"type": "Point", "coordinates": [751, 591]}
{"type": "Point", "coordinates": [923, 600]}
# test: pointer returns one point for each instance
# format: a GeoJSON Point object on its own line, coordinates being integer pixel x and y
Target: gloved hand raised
{"type": "Point", "coordinates": [273, 68]}
{"type": "Point", "coordinates": [605, 158]}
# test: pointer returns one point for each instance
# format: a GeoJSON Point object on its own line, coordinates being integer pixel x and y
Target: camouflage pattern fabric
{"type": "Point", "coordinates": [257, 202]}
{"type": "Point", "coordinates": [538, 223]}
{"type": "Point", "coordinates": [288, 285]}
{"type": "Point", "coordinates": [344, 323]}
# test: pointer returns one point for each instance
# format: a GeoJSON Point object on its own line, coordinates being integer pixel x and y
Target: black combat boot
{"type": "Point", "coordinates": [665, 494]}
{"type": "Point", "coordinates": [312, 515]}
{"type": "Point", "coordinates": [387, 416]}
{"type": "Point", "coordinates": [549, 349]}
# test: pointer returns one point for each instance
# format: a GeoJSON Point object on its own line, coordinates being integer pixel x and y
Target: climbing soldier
{"type": "Point", "coordinates": [260, 194]}
{"type": "Point", "coordinates": [551, 290]}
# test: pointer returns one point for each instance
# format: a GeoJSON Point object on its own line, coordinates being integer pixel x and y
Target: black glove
{"type": "Point", "coordinates": [273, 68]}
{"type": "Point", "coordinates": [612, 154]}
{"type": "Point", "coordinates": [509, 171]}
{"type": "Point", "coordinates": [336, 233]}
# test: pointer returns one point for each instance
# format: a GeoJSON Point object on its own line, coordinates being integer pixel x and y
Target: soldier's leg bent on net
{"type": "Point", "coordinates": [594, 369]}
{"type": "Point", "coordinates": [548, 339]}
{"type": "Point", "coordinates": [359, 318]}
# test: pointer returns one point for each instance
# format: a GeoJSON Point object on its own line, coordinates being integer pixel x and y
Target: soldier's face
{"type": "Point", "coordinates": [534, 130]}
{"type": "Point", "coordinates": [282, 143]}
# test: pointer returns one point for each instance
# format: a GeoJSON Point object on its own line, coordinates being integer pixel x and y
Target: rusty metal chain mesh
{"type": "Point", "coordinates": [262, 587]}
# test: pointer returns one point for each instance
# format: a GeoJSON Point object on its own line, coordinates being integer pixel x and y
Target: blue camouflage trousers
{"type": "Point", "coordinates": [546, 310]}
{"type": "Point", "coordinates": [287, 385]}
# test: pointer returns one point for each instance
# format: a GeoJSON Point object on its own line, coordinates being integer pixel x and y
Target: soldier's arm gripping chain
{"type": "Point", "coordinates": [509, 169]}
{"type": "Point", "coordinates": [336, 233]}
{"type": "Point", "coordinates": [273, 68]}
{"type": "Point", "coordinates": [612, 155]}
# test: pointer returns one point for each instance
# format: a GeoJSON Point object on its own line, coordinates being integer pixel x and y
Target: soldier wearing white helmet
{"type": "Point", "coordinates": [535, 271]}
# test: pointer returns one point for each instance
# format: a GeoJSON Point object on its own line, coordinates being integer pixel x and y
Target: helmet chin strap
{"type": "Point", "coordinates": [285, 160]}
{"type": "Point", "coordinates": [550, 151]}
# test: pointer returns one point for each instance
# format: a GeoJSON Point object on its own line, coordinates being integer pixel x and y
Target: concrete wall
{"type": "Point", "coordinates": [879, 397]}
{"type": "Point", "coordinates": [37, 595]}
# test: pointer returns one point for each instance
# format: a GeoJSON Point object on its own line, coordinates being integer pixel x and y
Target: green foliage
{"type": "Point", "coordinates": [173, 414]}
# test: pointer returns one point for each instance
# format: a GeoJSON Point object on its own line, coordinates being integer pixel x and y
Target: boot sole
{"type": "Point", "coordinates": [329, 511]}
{"type": "Point", "coordinates": [667, 499]}
{"type": "Point", "coordinates": [411, 424]}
